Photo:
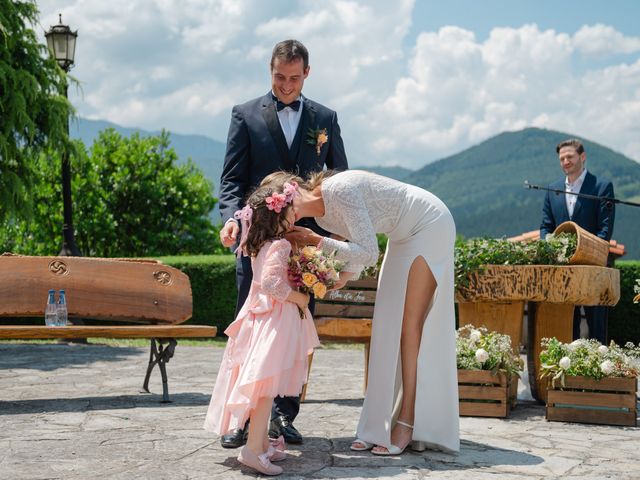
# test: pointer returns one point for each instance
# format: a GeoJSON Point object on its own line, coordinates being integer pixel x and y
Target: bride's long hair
{"type": "Point", "coordinates": [314, 179]}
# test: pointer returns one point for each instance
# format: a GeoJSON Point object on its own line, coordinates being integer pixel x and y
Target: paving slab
{"type": "Point", "coordinates": [70, 411]}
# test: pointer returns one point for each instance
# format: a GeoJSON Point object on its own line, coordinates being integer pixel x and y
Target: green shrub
{"type": "Point", "coordinates": [213, 287]}
{"type": "Point", "coordinates": [624, 318]}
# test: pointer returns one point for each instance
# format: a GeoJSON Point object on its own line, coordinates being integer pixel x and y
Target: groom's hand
{"type": "Point", "coordinates": [229, 233]}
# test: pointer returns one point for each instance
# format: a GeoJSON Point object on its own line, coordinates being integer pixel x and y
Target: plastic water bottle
{"type": "Point", "coordinates": [61, 309]}
{"type": "Point", "coordinates": [51, 310]}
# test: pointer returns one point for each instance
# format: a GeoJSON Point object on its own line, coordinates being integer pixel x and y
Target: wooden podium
{"type": "Point", "coordinates": [496, 298]}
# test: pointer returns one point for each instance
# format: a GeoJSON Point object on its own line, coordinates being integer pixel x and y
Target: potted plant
{"type": "Point", "coordinates": [488, 371]}
{"type": "Point", "coordinates": [589, 382]}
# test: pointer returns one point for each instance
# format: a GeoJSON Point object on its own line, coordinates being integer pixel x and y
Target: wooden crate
{"type": "Point", "coordinates": [483, 394]}
{"type": "Point", "coordinates": [609, 401]}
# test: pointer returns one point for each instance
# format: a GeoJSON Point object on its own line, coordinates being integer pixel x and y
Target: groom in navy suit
{"type": "Point", "coordinates": [595, 216]}
{"type": "Point", "coordinates": [278, 131]}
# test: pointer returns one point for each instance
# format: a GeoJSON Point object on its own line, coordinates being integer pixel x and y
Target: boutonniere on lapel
{"type": "Point", "coordinates": [317, 137]}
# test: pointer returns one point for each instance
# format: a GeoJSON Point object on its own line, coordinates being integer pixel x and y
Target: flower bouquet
{"type": "Point", "coordinates": [590, 382]}
{"type": "Point", "coordinates": [314, 272]}
{"type": "Point", "coordinates": [488, 371]}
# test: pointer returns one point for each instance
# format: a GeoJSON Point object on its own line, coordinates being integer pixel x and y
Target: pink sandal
{"type": "Point", "coordinates": [260, 463]}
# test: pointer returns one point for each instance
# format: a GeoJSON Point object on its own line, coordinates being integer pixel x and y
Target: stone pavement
{"type": "Point", "coordinates": [76, 412]}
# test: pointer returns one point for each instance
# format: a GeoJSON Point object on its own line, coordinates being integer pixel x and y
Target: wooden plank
{"type": "Point", "coordinates": [107, 289]}
{"type": "Point", "coordinates": [481, 377]}
{"type": "Point", "coordinates": [591, 416]}
{"type": "Point", "coordinates": [574, 284]}
{"type": "Point", "coordinates": [551, 320]}
{"type": "Point", "coordinates": [475, 409]}
{"type": "Point", "coordinates": [477, 392]}
{"type": "Point", "coordinates": [352, 329]}
{"type": "Point", "coordinates": [120, 331]}
{"type": "Point", "coordinates": [614, 384]}
{"type": "Point", "coordinates": [592, 399]}
{"type": "Point", "coordinates": [368, 283]}
{"type": "Point", "coordinates": [342, 310]}
{"type": "Point", "coordinates": [504, 317]}
{"type": "Point", "coordinates": [349, 296]}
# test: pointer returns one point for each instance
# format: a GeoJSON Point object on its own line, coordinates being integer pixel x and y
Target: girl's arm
{"type": "Point", "coordinates": [274, 279]}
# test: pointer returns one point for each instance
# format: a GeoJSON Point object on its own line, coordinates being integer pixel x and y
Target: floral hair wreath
{"type": "Point", "coordinates": [275, 202]}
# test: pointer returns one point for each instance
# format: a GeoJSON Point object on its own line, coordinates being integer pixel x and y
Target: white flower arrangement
{"type": "Point", "coordinates": [636, 290]}
{"type": "Point", "coordinates": [479, 349]}
{"type": "Point", "coordinates": [588, 358]}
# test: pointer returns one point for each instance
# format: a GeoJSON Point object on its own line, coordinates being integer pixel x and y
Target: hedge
{"type": "Point", "coordinates": [624, 318]}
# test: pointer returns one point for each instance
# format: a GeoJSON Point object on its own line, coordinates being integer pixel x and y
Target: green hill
{"type": "Point", "coordinates": [483, 185]}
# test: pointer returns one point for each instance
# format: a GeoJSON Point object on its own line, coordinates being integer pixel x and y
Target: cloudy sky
{"type": "Point", "coordinates": [412, 81]}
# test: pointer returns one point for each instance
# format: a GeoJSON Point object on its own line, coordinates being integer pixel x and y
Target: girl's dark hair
{"type": "Point", "coordinates": [265, 224]}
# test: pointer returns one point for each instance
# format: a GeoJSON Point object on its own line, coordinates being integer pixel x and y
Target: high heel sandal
{"type": "Point", "coordinates": [393, 449]}
{"type": "Point", "coordinates": [364, 445]}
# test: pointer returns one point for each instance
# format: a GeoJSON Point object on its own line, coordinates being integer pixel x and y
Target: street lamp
{"type": "Point", "coordinates": [62, 45]}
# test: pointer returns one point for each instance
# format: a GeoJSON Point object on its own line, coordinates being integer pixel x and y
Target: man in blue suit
{"type": "Point", "coordinates": [595, 216]}
{"type": "Point", "coordinates": [278, 131]}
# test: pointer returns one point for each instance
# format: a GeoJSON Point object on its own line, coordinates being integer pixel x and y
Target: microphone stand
{"type": "Point", "coordinates": [610, 201]}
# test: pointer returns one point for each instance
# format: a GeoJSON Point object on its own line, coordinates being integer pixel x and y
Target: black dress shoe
{"type": "Point", "coordinates": [235, 439]}
{"type": "Point", "coordinates": [282, 426]}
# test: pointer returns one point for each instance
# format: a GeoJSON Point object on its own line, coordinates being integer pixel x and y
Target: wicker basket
{"type": "Point", "coordinates": [590, 249]}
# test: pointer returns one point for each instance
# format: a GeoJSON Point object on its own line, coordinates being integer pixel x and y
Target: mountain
{"type": "Point", "coordinates": [483, 185]}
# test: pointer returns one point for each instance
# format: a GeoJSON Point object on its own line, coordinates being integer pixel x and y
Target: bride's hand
{"type": "Point", "coordinates": [302, 236]}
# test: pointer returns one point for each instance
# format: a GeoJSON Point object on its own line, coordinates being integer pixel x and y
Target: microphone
{"type": "Point", "coordinates": [530, 186]}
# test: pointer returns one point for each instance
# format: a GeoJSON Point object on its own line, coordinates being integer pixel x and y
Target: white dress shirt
{"type": "Point", "coordinates": [575, 188]}
{"type": "Point", "coordinates": [289, 121]}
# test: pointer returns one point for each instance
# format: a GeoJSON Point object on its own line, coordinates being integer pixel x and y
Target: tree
{"type": "Point", "coordinates": [131, 199]}
{"type": "Point", "coordinates": [33, 108]}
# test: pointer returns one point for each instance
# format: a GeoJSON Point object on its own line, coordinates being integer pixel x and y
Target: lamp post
{"type": "Point", "coordinates": [62, 45]}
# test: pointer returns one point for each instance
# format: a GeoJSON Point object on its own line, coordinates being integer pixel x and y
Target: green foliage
{"type": "Point", "coordinates": [473, 254]}
{"type": "Point", "coordinates": [588, 358]}
{"type": "Point", "coordinates": [33, 107]}
{"type": "Point", "coordinates": [130, 199]}
{"type": "Point", "coordinates": [479, 349]}
{"type": "Point", "coordinates": [624, 318]}
{"type": "Point", "coordinates": [213, 286]}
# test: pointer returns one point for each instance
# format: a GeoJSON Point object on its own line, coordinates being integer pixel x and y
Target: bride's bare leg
{"type": "Point", "coordinates": [421, 286]}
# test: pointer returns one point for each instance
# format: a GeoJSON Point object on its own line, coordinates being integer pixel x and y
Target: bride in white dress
{"type": "Point", "coordinates": [412, 392]}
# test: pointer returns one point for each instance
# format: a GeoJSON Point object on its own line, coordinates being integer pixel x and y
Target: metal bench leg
{"type": "Point", "coordinates": [160, 354]}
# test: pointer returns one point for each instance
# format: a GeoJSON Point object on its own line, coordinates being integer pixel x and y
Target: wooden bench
{"type": "Point", "coordinates": [345, 316]}
{"type": "Point", "coordinates": [154, 296]}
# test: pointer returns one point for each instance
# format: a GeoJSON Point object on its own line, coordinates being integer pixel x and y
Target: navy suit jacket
{"type": "Point", "coordinates": [257, 147]}
{"type": "Point", "coordinates": [595, 216]}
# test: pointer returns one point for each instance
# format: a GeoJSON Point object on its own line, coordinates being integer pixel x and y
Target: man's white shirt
{"type": "Point", "coordinates": [574, 188]}
{"type": "Point", "coordinates": [289, 121]}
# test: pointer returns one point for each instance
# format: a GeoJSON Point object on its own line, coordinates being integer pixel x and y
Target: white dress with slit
{"type": "Point", "coordinates": [358, 205]}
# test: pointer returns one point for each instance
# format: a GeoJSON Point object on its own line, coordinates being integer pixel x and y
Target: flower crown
{"type": "Point", "coordinates": [277, 201]}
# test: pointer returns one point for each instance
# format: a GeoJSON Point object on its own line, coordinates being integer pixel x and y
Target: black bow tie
{"type": "Point", "coordinates": [295, 105]}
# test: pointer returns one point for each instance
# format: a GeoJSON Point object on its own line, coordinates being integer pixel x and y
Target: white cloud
{"type": "Point", "coordinates": [460, 91]}
{"type": "Point", "coordinates": [181, 65]}
{"type": "Point", "coordinates": [604, 40]}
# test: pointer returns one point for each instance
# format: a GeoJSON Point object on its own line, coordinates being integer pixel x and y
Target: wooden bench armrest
{"type": "Point", "coordinates": [117, 331]}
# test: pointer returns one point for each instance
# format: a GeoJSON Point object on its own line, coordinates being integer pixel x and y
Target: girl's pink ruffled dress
{"type": "Point", "coordinates": [268, 347]}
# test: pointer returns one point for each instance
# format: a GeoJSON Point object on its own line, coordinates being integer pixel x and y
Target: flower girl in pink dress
{"type": "Point", "coordinates": [268, 346]}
